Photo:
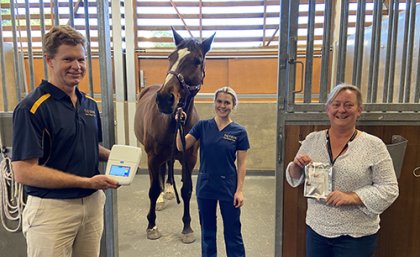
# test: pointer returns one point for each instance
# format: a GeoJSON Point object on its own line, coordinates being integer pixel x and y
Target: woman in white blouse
{"type": "Point", "coordinates": [364, 184]}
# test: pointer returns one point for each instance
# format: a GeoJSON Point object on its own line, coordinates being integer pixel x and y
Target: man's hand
{"type": "Point", "coordinates": [103, 182]}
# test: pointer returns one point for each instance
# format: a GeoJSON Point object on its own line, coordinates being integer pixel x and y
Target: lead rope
{"type": "Point", "coordinates": [173, 161]}
{"type": "Point", "coordinates": [179, 126]}
{"type": "Point", "coordinates": [11, 198]}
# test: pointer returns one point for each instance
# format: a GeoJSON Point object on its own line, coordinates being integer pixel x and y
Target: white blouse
{"type": "Point", "coordinates": [365, 168]}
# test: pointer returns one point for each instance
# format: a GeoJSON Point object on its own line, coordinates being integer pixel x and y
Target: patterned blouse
{"type": "Point", "coordinates": [365, 168]}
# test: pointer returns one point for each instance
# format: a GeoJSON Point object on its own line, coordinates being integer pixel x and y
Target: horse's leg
{"type": "Point", "coordinates": [160, 204]}
{"type": "Point", "coordinates": [154, 191]}
{"type": "Point", "coordinates": [186, 191]}
{"type": "Point", "coordinates": [169, 186]}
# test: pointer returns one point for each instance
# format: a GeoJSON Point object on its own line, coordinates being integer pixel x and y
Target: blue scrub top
{"type": "Point", "coordinates": [217, 178]}
{"type": "Point", "coordinates": [47, 126]}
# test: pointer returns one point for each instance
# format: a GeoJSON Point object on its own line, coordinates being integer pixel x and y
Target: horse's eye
{"type": "Point", "coordinates": [198, 61]}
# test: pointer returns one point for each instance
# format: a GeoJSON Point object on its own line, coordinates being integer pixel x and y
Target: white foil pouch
{"type": "Point", "coordinates": [318, 180]}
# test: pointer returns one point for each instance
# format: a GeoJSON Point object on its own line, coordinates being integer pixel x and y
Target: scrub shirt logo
{"type": "Point", "coordinates": [229, 137]}
{"type": "Point", "coordinates": [89, 112]}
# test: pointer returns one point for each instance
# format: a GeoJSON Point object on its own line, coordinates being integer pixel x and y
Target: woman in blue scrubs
{"type": "Point", "coordinates": [222, 142]}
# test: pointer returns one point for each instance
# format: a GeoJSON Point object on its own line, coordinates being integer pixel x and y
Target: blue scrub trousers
{"type": "Point", "coordinates": [231, 225]}
{"type": "Point", "coordinates": [343, 246]}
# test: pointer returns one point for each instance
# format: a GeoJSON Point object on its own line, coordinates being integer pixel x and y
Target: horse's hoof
{"type": "Point", "coordinates": [169, 192]}
{"type": "Point", "coordinates": [169, 195]}
{"type": "Point", "coordinates": [160, 206]}
{"type": "Point", "coordinates": [160, 203]}
{"type": "Point", "coordinates": [153, 233]}
{"type": "Point", "coordinates": [188, 238]}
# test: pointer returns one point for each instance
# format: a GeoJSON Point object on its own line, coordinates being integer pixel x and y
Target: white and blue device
{"type": "Point", "coordinates": [123, 163]}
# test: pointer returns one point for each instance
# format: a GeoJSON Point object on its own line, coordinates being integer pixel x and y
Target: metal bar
{"type": "Point", "coordinates": [326, 45]}
{"type": "Point", "coordinates": [88, 47]}
{"type": "Point", "coordinates": [200, 7]}
{"type": "Point", "coordinates": [180, 16]}
{"type": "Point", "coordinates": [105, 66]}
{"type": "Point", "coordinates": [16, 53]}
{"type": "Point", "coordinates": [376, 51]}
{"type": "Point", "coordinates": [356, 41]}
{"type": "Point", "coordinates": [3, 69]}
{"type": "Point", "coordinates": [283, 56]}
{"type": "Point", "coordinates": [372, 53]}
{"type": "Point", "coordinates": [359, 43]}
{"type": "Point", "coordinates": [71, 13]}
{"type": "Point", "coordinates": [410, 50]}
{"type": "Point", "coordinates": [417, 91]}
{"type": "Point", "coordinates": [42, 24]}
{"type": "Point", "coordinates": [393, 47]}
{"type": "Point", "coordinates": [292, 51]}
{"type": "Point", "coordinates": [388, 50]}
{"type": "Point", "coordinates": [342, 47]}
{"type": "Point", "coordinates": [264, 22]}
{"type": "Point", "coordinates": [119, 76]}
{"type": "Point", "coordinates": [404, 53]}
{"type": "Point", "coordinates": [131, 75]}
{"type": "Point", "coordinates": [282, 89]}
{"type": "Point", "coordinates": [309, 53]}
{"type": "Point", "coordinates": [56, 13]}
{"type": "Point", "coordinates": [29, 49]}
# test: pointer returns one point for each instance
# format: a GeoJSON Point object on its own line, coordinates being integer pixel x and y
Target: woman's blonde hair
{"type": "Point", "coordinates": [343, 86]}
{"type": "Point", "coordinates": [227, 90]}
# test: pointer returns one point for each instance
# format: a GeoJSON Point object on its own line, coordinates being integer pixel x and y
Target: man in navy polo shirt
{"type": "Point", "coordinates": [56, 151]}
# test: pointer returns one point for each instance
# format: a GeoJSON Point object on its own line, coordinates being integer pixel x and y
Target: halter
{"type": "Point", "coordinates": [189, 90]}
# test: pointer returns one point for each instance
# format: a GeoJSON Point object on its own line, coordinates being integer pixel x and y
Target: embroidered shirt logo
{"type": "Point", "coordinates": [229, 137]}
{"type": "Point", "coordinates": [89, 112]}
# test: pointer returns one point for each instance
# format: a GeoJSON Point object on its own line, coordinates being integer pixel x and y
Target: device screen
{"type": "Point", "coordinates": [118, 170]}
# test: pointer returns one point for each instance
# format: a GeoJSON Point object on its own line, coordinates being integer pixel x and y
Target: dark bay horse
{"type": "Point", "coordinates": [155, 125]}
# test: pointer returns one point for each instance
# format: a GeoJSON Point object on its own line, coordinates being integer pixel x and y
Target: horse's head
{"type": "Point", "coordinates": [185, 75]}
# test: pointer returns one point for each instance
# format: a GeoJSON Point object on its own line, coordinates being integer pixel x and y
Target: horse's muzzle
{"type": "Point", "coordinates": [165, 103]}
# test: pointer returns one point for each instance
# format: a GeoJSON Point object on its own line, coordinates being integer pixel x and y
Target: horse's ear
{"type": "Point", "coordinates": [206, 45]}
{"type": "Point", "coordinates": [177, 38]}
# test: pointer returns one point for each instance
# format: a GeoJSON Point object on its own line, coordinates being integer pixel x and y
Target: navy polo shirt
{"type": "Point", "coordinates": [47, 126]}
{"type": "Point", "coordinates": [217, 177]}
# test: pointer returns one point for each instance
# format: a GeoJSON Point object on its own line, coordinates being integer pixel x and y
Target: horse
{"type": "Point", "coordinates": [155, 125]}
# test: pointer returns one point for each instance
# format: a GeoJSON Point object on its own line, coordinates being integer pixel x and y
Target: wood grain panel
{"type": "Point", "coordinates": [253, 76]}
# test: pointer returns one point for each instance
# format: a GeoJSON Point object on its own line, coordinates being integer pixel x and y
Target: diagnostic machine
{"type": "Point", "coordinates": [123, 163]}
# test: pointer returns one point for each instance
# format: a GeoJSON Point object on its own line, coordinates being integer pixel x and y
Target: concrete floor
{"type": "Point", "coordinates": [133, 203]}
{"type": "Point", "coordinates": [257, 221]}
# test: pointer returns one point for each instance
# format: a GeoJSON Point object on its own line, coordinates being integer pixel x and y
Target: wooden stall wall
{"type": "Point", "coordinates": [245, 75]}
{"type": "Point", "coordinates": [400, 224]}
